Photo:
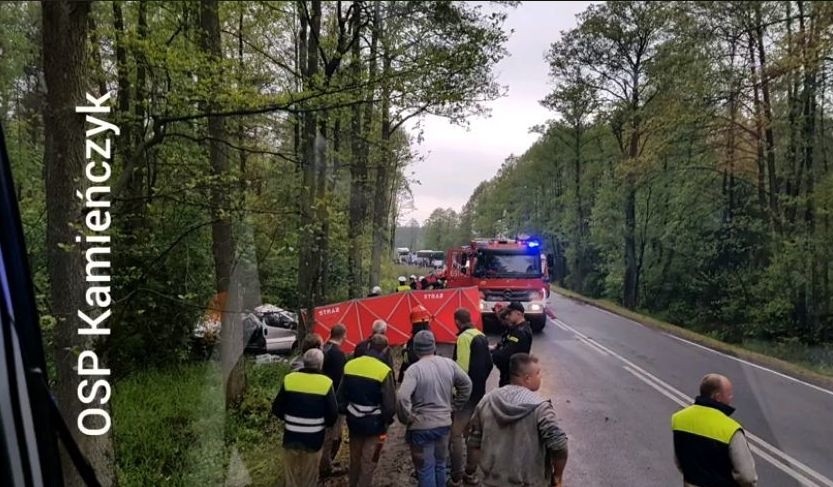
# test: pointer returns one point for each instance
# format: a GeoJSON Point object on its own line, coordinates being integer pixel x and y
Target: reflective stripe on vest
{"type": "Point", "coordinates": [368, 367]}
{"type": "Point", "coordinates": [361, 411]}
{"type": "Point", "coordinates": [706, 422]}
{"type": "Point", "coordinates": [464, 347]}
{"type": "Point", "coordinates": [298, 424]}
{"type": "Point", "coordinates": [317, 384]}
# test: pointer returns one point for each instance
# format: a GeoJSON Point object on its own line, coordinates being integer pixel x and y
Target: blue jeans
{"type": "Point", "coordinates": [429, 451]}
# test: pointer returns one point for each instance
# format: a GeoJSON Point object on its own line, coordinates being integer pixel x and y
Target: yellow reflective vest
{"type": "Point", "coordinates": [702, 434]}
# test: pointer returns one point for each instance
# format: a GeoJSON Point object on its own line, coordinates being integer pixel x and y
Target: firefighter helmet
{"type": "Point", "coordinates": [419, 314]}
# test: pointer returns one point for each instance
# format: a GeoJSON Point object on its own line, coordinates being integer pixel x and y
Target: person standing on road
{"type": "Point", "coordinates": [710, 448]}
{"type": "Point", "coordinates": [433, 388]}
{"type": "Point", "coordinates": [380, 327]}
{"type": "Point", "coordinates": [516, 339]}
{"type": "Point", "coordinates": [515, 437]}
{"type": "Point", "coordinates": [472, 355]}
{"type": "Point", "coordinates": [420, 320]}
{"type": "Point", "coordinates": [307, 405]}
{"type": "Point", "coordinates": [334, 361]}
{"type": "Point", "coordinates": [367, 397]}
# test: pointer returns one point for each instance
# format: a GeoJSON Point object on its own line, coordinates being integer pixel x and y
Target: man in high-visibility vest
{"type": "Point", "coordinates": [403, 285]}
{"type": "Point", "coordinates": [367, 397]}
{"type": "Point", "coordinates": [307, 405]}
{"type": "Point", "coordinates": [472, 355]}
{"type": "Point", "coordinates": [710, 448]}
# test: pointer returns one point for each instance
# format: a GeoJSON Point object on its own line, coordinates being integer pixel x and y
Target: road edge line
{"type": "Point", "coordinates": [788, 370]}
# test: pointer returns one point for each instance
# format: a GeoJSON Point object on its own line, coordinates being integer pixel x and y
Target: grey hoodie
{"type": "Point", "coordinates": [517, 432]}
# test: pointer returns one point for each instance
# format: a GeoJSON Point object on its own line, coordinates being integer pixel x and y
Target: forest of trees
{"type": "Point", "coordinates": [687, 169]}
{"type": "Point", "coordinates": [261, 155]}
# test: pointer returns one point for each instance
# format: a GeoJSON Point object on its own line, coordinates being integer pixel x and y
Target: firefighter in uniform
{"type": "Point", "coordinates": [710, 448]}
{"type": "Point", "coordinates": [403, 284]}
{"type": "Point", "coordinates": [420, 319]}
{"type": "Point", "coordinates": [307, 405]}
{"type": "Point", "coordinates": [367, 397]}
{"type": "Point", "coordinates": [516, 339]}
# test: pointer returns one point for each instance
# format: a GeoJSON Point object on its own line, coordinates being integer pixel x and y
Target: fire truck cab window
{"type": "Point", "coordinates": [508, 264]}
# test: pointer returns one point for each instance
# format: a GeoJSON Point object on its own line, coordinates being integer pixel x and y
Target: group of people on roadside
{"type": "Point", "coordinates": [507, 437]}
{"type": "Point", "coordinates": [441, 401]}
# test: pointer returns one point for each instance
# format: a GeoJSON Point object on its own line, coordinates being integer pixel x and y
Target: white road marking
{"type": "Point", "coordinates": [746, 362]}
{"type": "Point", "coordinates": [592, 346]}
{"type": "Point", "coordinates": [756, 443]}
{"type": "Point", "coordinates": [779, 374]}
{"type": "Point", "coordinates": [656, 387]}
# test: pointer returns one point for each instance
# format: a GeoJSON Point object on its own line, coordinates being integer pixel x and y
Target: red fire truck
{"type": "Point", "coordinates": [504, 270]}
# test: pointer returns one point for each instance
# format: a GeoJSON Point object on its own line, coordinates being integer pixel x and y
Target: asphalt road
{"type": "Point", "coordinates": [615, 384]}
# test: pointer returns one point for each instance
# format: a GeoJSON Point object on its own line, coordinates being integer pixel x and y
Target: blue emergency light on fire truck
{"type": "Point", "coordinates": [504, 270]}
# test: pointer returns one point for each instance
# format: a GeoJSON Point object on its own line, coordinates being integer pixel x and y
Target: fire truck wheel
{"type": "Point", "coordinates": [537, 323]}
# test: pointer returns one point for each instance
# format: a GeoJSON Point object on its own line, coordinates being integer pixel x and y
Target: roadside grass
{"type": "Point", "coordinates": [171, 428]}
{"type": "Point", "coordinates": [812, 364]}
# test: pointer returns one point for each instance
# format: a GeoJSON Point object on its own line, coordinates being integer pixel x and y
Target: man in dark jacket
{"type": "Point", "coordinates": [307, 405]}
{"type": "Point", "coordinates": [420, 320]}
{"type": "Point", "coordinates": [334, 361]}
{"type": "Point", "coordinates": [516, 339]}
{"type": "Point", "coordinates": [380, 327]}
{"type": "Point", "coordinates": [472, 355]}
{"type": "Point", "coordinates": [368, 397]}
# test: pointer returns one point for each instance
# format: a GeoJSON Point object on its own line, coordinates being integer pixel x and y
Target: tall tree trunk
{"type": "Point", "coordinates": [578, 267]}
{"type": "Point", "coordinates": [825, 259]}
{"type": "Point", "coordinates": [307, 269]}
{"type": "Point", "coordinates": [774, 205]}
{"type": "Point", "coordinates": [322, 226]}
{"type": "Point", "coordinates": [810, 64]}
{"type": "Point", "coordinates": [631, 284]}
{"type": "Point", "coordinates": [792, 182]}
{"type": "Point", "coordinates": [222, 238]}
{"type": "Point", "coordinates": [380, 203]}
{"type": "Point", "coordinates": [359, 147]}
{"type": "Point", "coordinates": [65, 71]}
{"type": "Point", "coordinates": [759, 126]}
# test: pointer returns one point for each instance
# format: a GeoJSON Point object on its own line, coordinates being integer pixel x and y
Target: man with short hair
{"type": "Point", "coordinates": [514, 434]}
{"type": "Point", "coordinates": [307, 405]}
{"type": "Point", "coordinates": [710, 448]}
{"type": "Point", "coordinates": [334, 361]}
{"type": "Point", "coordinates": [379, 327]}
{"type": "Point", "coordinates": [368, 397]}
{"type": "Point", "coordinates": [472, 355]}
{"type": "Point", "coordinates": [312, 340]}
{"type": "Point", "coordinates": [433, 387]}
{"type": "Point", "coordinates": [516, 339]}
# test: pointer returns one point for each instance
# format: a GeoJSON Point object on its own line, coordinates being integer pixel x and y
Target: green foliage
{"type": "Point", "coordinates": [707, 252]}
{"type": "Point", "coordinates": [189, 440]}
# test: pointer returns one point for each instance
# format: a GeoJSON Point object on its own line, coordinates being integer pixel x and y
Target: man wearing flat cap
{"type": "Point", "coordinates": [516, 339]}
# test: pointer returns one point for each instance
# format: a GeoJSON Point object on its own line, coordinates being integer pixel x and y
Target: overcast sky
{"type": "Point", "coordinates": [456, 160]}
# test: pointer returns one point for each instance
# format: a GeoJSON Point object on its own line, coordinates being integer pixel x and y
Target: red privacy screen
{"type": "Point", "coordinates": [358, 315]}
